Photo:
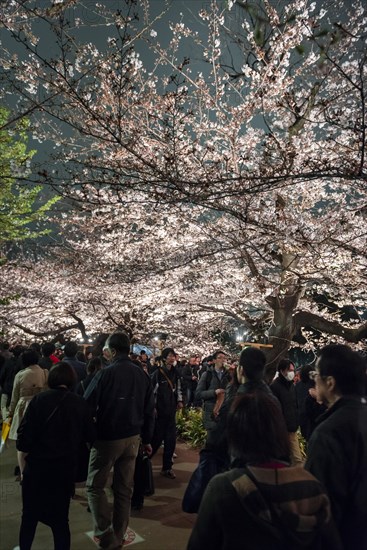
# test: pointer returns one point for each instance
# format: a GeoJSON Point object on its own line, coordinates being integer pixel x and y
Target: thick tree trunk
{"type": "Point", "coordinates": [282, 330]}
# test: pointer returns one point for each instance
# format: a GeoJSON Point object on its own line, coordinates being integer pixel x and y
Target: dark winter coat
{"type": "Point", "coordinates": [312, 410]}
{"type": "Point", "coordinates": [284, 390]}
{"type": "Point", "coordinates": [121, 399]}
{"type": "Point", "coordinates": [337, 456]}
{"type": "Point", "coordinates": [79, 367]}
{"type": "Point", "coordinates": [11, 367]}
{"type": "Point", "coordinates": [187, 373]}
{"type": "Point", "coordinates": [167, 394]}
{"type": "Point", "coordinates": [208, 383]}
{"type": "Point", "coordinates": [59, 438]}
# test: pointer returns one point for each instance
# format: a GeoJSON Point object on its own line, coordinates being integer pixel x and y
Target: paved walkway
{"type": "Point", "coordinates": [161, 525]}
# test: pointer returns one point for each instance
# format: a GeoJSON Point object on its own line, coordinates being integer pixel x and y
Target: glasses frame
{"type": "Point", "coordinates": [313, 374]}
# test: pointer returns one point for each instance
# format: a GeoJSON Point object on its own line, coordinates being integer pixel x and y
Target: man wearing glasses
{"type": "Point", "coordinates": [337, 450]}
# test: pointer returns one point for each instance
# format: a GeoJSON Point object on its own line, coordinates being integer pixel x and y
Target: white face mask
{"type": "Point", "coordinates": [290, 375]}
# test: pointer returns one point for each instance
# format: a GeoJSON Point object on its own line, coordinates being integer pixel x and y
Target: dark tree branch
{"type": "Point", "coordinates": [308, 319]}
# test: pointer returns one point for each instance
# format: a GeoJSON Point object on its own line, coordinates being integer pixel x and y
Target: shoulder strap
{"type": "Point", "coordinates": [168, 380]}
{"type": "Point", "coordinates": [209, 376]}
{"type": "Point", "coordinates": [56, 408]}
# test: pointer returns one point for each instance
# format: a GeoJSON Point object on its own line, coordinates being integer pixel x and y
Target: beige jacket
{"type": "Point", "coordinates": [27, 383]}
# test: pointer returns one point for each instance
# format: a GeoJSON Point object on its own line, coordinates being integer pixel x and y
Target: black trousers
{"type": "Point", "coordinates": [165, 432]}
{"type": "Point", "coordinates": [46, 492]}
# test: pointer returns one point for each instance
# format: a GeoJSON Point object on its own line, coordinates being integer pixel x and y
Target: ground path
{"type": "Point", "coordinates": [161, 525]}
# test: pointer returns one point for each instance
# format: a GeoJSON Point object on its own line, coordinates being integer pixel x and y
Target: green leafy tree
{"type": "Point", "coordinates": [19, 202]}
{"type": "Point", "coordinates": [20, 207]}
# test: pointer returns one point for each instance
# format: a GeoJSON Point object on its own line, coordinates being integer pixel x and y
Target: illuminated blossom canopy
{"type": "Point", "coordinates": [225, 188]}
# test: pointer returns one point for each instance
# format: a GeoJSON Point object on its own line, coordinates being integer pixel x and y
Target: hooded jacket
{"type": "Point", "coordinates": [283, 509]}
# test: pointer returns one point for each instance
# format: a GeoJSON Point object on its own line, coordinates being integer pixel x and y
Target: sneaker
{"type": "Point", "coordinates": [168, 473]}
{"type": "Point", "coordinates": [112, 546]}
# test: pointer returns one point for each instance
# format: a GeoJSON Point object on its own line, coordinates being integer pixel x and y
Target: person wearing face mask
{"type": "Point", "coordinates": [283, 388]}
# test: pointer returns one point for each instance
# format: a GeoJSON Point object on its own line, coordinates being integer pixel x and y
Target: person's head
{"type": "Point", "coordinates": [71, 349]}
{"type": "Point", "coordinates": [252, 365]}
{"type": "Point", "coordinates": [48, 349]}
{"type": "Point", "coordinates": [61, 374]}
{"type": "Point", "coordinates": [17, 350]}
{"type": "Point", "coordinates": [286, 369]}
{"type": "Point", "coordinates": [36, 347]}
{"type": "Point", "coordinates": [340, 371]}
{"type": "Point", "coordinates": [143, 356]}
{"type": "Point", "coordinates": [219, 358]}
{"type": "Point", "coordinates": [168, 356]}
{"type": "Point", "coordinates": [256, 429]}
{"type": "Point", "coordinates": [94, 365]}
{"type": "Point", "coordinates": [117, 344]}
{"type": "Point", "coordinates": [29, 357]}
{"type": "Point", "coordinates": [5, 346]}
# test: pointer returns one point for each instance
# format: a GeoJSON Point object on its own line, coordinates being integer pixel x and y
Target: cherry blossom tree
{"type": "Point", "coordinates": [235, 188]}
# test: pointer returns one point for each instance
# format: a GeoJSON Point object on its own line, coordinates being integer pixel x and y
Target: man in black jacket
{"type": "Point", "coordinates": [168, 397]}
{"type": "Point", "coordinates": [283, 388]}
{"type": "Point", "coordinates": [121, 399]}
{"type": "Point", "coordinates": [190, 376]}
{"type": "Point", "coordinates": [212, 388]}
{"type": "Point", "coordinates": [337, 450]}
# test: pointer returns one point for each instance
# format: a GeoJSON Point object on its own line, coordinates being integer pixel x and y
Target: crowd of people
{"type": "Point", "coordinates": [85, 413]}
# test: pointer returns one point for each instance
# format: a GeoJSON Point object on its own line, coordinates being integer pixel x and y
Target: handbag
{"type": "Point", "coordinates": [147, 473]}
{"type": "Point", "coordinates": [209, 465]}
{"type": "Point", "coordinates": [143, 477]}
